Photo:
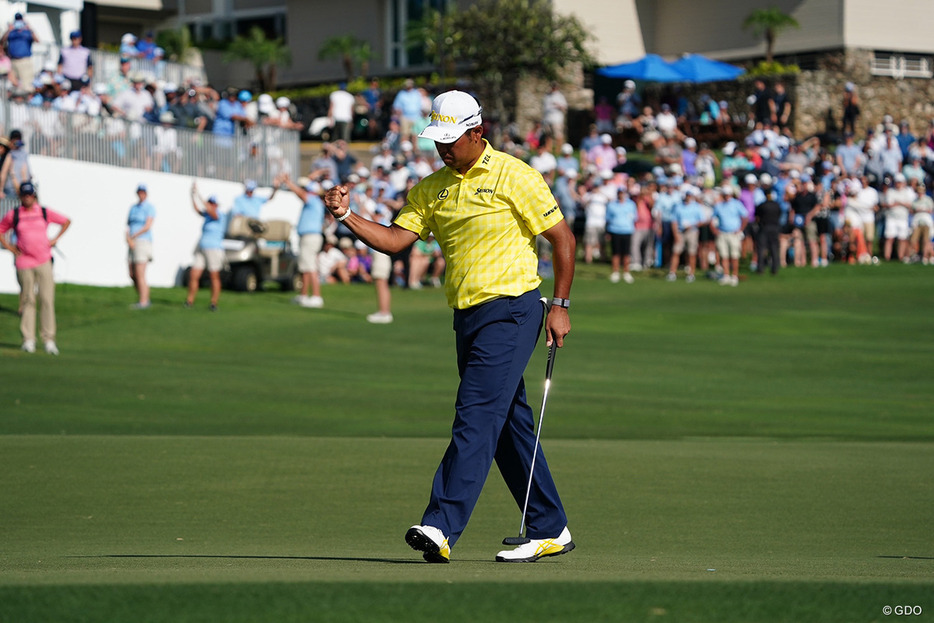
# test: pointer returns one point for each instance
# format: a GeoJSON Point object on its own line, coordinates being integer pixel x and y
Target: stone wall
{"type": "Point", "coordinates": [816, 96]}
{"type": "Point", "coordinates": [820, 92]}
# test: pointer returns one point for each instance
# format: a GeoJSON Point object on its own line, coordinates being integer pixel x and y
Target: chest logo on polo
{"type": "Point", "coordinates": [443, 194]}
{"type": "Point", "coordinates": [484, 191]}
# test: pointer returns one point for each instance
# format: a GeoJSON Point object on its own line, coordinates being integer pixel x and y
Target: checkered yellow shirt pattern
{"type": "Point", "coordinates": [486, 222]}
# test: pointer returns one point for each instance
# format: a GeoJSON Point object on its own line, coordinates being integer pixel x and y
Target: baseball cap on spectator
{"type": "Point", "coordinates": [327, 185]}
{"type": "Point", "coordinates": [313, 187]}
{"type": "Point", "coordinates": [75, 34]}
{"type": "Point", "coordinates": [620, 151]}
{"type": "Point", "coordinates": [900, 177]}
{"type": "Point", "coordinates": [245, 96]}
{"type": "Point", "coordinates": [283, 102]}
{"type": "Point", "coordinates": [169, 87]}
{"type": "Point", "coordinates": [794, 173]}
{"type": "Point", "coordinates": [407, 145]}
{"type": "Point", "coordinates": [850, 87]}
{"type": "Point", "coordinates": [729, 149]}
{"type": "Point", "coordinates": [690, 143]}
{"type": "Point", "coordinates": [18, 16]}
{"type": "Point", "coordinates": [265, 104]}
{"type": "Point", "coordinates": [141, 188]}
{"type": "Point", "coordinates": [629, 84]}
{"type": "Point", "coordinates": [128, 38]}
{"type": "Point", "coordinates": [606, 139]}
{"type": "Point", "coordinates": [250, 185]}
{"type": "Point", "coordinates": [452, 114]}
{"type": "Point", "coordinates": [567, 149]}
{"type": "Point", "coordinates": [726, 189]}
{"type": "Point", "coordinates": [212, 199]}
{"type": "Point", "coordinates": [765, 179]}
{"type": "Point", "coordinates": [750, 178]}
{"type": "Point", "coordinates": [26, 188]}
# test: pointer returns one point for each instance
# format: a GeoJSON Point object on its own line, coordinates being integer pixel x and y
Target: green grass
{"type": "Point", "coordinates": [760, 453]}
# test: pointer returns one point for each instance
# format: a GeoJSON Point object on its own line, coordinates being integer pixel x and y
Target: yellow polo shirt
{"type": "Point", "coordinates": [486, 222]}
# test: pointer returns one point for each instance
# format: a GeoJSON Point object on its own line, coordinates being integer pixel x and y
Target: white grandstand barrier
{"type": "Point", "coordinates": [97, 199]}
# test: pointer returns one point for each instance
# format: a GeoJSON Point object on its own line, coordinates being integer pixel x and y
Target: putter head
{"type": "Point", "coordinates": [516, 540]}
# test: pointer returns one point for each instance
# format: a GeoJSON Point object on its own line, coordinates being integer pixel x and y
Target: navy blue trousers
{"type": "Point", "coordinates": [493, 420]}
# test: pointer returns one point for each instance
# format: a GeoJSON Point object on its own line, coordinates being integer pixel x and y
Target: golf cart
{"type": "Point", "coordinates": [256, 252]}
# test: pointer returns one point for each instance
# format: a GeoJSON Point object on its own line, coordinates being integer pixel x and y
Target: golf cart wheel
{"type": "Point", "coordinates": [295, 283]}
{"type": "Point", "coordinates": [245, 279]}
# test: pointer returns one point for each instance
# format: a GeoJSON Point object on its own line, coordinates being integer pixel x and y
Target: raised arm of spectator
{"type": "Point", "coordinates": [295, 188]}
{"type": "Point", "coordinates": [389, 240]}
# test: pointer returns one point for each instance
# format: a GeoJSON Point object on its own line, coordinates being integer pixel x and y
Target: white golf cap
{"type": "Point", "coordinates": [726, 189]}
{"type": "Point", "coordinates": [452, 114]}
{"type": "Point", "coordinates": [567, 149]}
{"type": "Point", "coordinates": [750, 178]}
{"type": "Point", "coordinates": [283, 102]}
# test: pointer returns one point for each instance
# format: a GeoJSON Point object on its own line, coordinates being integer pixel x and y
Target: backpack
{"type": "Point", "coordinates": [45, 217]}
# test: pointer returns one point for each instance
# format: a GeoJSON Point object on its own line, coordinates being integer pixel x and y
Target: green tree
{"type": "Point", "coordinates": [769, 23]}
{"type": "Point", "coordinates": [439, 36]}
{"type": "Point", "coordinates": [505, 40]}
{"type": "Point", "coordinates": [351, 51]}
{"type": "Point", "coordinates": [178, 47]}
{"type": "Point", "coordinates": [264, 54]}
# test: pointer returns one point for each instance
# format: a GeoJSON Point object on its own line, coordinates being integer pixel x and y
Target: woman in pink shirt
{"type": "Point", "coordinates": [33, 253]}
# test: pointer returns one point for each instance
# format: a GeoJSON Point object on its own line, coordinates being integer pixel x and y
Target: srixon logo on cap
{"type": "Point", "coordinates": [443, 118]}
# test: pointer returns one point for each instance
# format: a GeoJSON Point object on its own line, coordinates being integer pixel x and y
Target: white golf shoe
{"type": "Point", "coordinates": [538, 548]}
{"type": "Point", "coordinates": [430, 541]}
{"type": "Point", "coordinates": [29, 346]}
{"type": "Point", "coordinates": [379, 318]}
{"type": "Point", "coordinates": [51, 348]}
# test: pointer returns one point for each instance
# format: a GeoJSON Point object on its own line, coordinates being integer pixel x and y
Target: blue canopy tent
{"type": "Point", "coordinates": [699, 68]}
{"type": "Point", "coordinates": [649, 68]}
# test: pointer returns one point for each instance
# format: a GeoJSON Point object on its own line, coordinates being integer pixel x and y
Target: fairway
{"type": "Point", "coordinates": [760, 453]}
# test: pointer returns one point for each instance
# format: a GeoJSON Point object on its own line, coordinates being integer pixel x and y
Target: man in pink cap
{"type": "Point", "coordinates": [485, 209]}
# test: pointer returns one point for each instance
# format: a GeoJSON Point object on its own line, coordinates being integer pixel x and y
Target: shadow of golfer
{"type": "Point", "coordinates": [389, 561]}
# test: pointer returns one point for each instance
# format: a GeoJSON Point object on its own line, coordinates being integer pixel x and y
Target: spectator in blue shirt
{"type": "Point", "coordinates": [407, 107]}
{"type": "Point", "coordinates": [689, 216]}
{"type": "Point", "coordinates": [729, 221]}
{"type": "Point", "coordinates": [210, 252]}
{"type": "Point", "coordinates": [139, 240]}
{"type": "Point", "coordinates": [310, 235]}
{"type": "Point", "coordinates": [147, 46]}
{"type": "Point", "coordinates": [248, 204]}
{"type": "Point", "coordinates": [621, 224]}
{"type": "Point", "coordinates": [229, 113]}
{"type": "Point", "coordinates": [18, 40]}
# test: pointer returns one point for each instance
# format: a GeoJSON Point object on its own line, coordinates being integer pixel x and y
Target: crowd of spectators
{"type": "Point", "coordinates": [138, 112]}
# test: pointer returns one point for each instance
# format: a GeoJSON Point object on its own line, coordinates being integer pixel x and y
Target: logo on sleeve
{"type": "Point", "coordinates": [550, 211]}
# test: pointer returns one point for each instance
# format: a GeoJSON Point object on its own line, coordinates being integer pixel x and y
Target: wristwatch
{"type": "Point", "coordinates": [556, 302]}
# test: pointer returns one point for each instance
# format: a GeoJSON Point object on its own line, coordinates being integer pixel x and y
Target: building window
{"type": "Point", "coordinates": [900, 65]}
{"type": "Point", "coordinates": [401, 14]}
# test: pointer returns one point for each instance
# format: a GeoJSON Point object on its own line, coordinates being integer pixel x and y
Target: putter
{"type": "Point", "coordinates": [521, 539]}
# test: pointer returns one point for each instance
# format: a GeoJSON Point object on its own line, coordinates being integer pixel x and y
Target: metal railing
{"type": "Point", "coordinates": [258, 153]}
{"type": "Point", "coordinates": [107, 64]}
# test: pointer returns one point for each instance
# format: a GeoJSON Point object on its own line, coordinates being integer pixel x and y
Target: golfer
{"type": "Point", "coordinates": [485, 209]}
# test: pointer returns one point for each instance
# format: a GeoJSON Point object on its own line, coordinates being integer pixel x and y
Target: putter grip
{"type": "Point", "coordinates": [552, 351]}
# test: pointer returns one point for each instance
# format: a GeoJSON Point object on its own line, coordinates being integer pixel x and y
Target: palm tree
{"type": "Point", "coordinates": [349, 50]}
{"type": "Point", "coordinates": [265, 55]}
{"type": "Point", "coordinates": [769, 22]}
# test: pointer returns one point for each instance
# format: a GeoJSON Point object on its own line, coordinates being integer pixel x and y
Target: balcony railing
{"type": "Point", "coordinates": [258, 153]}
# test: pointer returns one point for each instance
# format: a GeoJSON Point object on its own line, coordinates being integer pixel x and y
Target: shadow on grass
{"type": "Point", "coordinates": [391, 561]}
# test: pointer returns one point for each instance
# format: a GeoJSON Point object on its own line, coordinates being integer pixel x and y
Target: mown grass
{"type": "Point", "coordinates": [760, 453]}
